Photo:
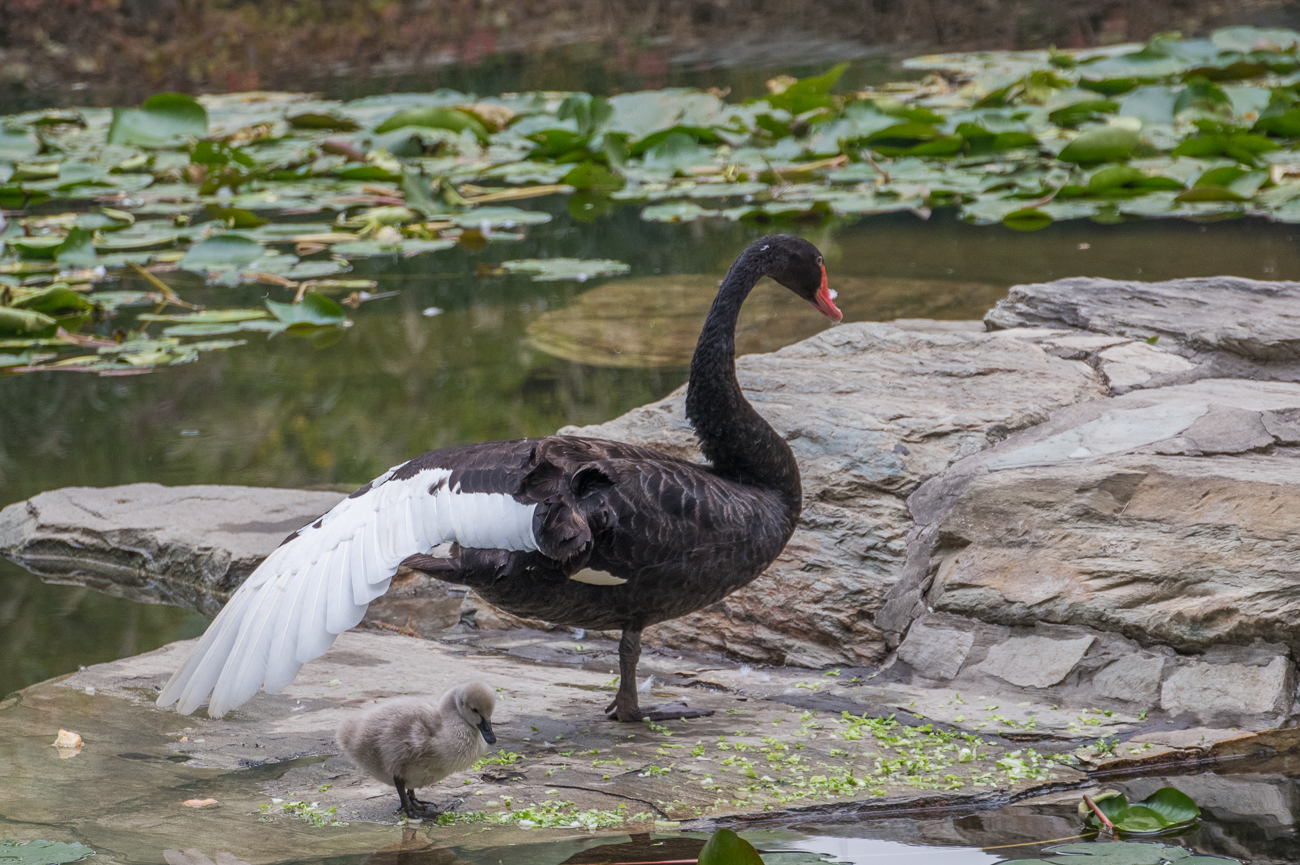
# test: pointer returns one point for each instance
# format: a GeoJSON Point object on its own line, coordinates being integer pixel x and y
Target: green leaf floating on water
{"type": "Point", "coordinates": [164, 120]}
{"type": "Point", "coordinates": [728, 848]}
{"type": "Point", "coordinates": [222, 253]}
{"type": "Point", "coordinates": [57, 299]}
{"type": "Point", "coordinates": [42, 852]}
{"type": "Point", "coordinates": [1195, 128]}
{"type": "Point", "coordinates": [501, 217]}
{"type": "Point", "coordinates": [315, 311]}
{"type": "Point", "coordinates": [1105, 144]}
{"type": "Point", "coordinates": [42, 248]}
{"type": "Point", "coordinates": [76, 250]}
{"type": "Point", "coordinates": [434, 117]}
{"type": "Point", "coordinates": [1167, 808]}
{"type": "Point", "coordinates": [25, 322]}
{"type": "Point", "coordinates": [555, 269]}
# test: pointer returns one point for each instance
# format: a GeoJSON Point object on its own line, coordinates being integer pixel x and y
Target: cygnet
{"type": "Point", "coordinates": [412, 742]}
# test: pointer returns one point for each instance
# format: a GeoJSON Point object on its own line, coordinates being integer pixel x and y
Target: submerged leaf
{"type": "Point", "coordinates": [42, 852]}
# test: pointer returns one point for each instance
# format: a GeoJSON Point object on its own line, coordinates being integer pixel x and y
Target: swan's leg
{"type": "Point", "coordinates": [411, 806]}
{"type": "Point", "coordinates": [625, 706]}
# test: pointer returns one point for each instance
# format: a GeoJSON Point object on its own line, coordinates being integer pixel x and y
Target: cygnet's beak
{"type": "Point", "coordinates": [485, 727]}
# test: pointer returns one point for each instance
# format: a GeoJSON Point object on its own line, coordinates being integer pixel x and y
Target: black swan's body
{"type": "Point", "coordinates": [577, 531]}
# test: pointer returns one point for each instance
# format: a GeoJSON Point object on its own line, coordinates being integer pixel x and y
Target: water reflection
{"type": "Point", "coordinates": [49, 630]}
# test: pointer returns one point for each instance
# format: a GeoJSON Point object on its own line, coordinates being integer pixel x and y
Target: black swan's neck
{"type": "Point", "coordinates": [736, 440]}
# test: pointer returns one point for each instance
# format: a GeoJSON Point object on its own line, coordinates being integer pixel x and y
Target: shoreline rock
{"type": "Point", "coordinates": [1039, 511]}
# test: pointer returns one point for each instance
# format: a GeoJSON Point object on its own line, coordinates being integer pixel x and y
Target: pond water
{"type": "Point", "coordinates": [461, 354]}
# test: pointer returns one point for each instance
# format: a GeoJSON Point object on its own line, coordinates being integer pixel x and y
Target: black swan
{"type": "Point", "coordinates": [577, 531]}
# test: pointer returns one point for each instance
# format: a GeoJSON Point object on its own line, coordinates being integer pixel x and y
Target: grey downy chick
{"type": "Point", "coordinates": [412, 742]}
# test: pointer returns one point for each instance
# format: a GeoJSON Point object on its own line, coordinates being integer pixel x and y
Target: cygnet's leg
{"type": "Point", "coordinates": [411, 806]}
{"type": "Point", "coordinates": [625, 706]}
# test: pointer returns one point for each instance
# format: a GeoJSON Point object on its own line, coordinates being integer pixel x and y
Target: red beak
{"type": "Point", "coordinates": [825, 303]}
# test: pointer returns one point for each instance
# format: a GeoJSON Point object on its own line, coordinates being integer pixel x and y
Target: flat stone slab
{"type": "Point", "coordinates": [1255, 320]}
{"type": "Point", "coordinates": [769, 750]}
{"type": "Point", "coordinates": [189, 546]}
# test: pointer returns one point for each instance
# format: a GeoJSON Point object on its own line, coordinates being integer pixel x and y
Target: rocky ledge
{"type": "Point", "coordinates": [1070, 524]}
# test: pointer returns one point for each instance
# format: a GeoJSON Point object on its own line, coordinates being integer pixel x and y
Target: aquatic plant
{"type": "Point", "coordinates": [287, 190]}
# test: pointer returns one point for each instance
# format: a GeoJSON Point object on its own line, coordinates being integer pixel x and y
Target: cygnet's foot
{"type": "Point", "coordinates": [420, 811]}
{"type": "Point", "coordinates": [618, 711]}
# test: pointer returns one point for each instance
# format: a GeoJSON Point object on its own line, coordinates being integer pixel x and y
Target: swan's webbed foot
{"type": "Point", "coordinates": [678, 711]}
{"type": "Point", "coordinates": [411, 806]}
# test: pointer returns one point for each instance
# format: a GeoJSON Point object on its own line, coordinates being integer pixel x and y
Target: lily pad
{"type": "Point", "coordinates": [434, 117]}
{"type": "Point", "coordinates": [221, 253]}
{"type": "Point", "coordinates": [20, 322]}
{"type": "Point", "coordinates": [1105, 144]}
{"type": "Point", "coordinates": [1164, 810]}
{"type": "Point", "coordinates": [163, 120]}
{"type": "Point", "coordinates": [501, 217]}
{"type": "Point", "coordinates": [556, 269]}
{"type": "Point", "coordinates": [54, 300]}
{"type": "Point", "coordinates": [315, 311]}
{"type": "Point", "coordinates": [41, 248]}
{"type": "Point", "coordinates": [682, 211]}
{"type": "Point", "coordinates": [725, 847]}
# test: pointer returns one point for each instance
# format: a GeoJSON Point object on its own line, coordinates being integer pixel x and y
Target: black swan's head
{"type": "Point", "coordinates": [798, 265]}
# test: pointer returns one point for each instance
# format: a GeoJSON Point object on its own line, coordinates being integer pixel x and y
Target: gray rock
{"type": "Point", "coordinates": [190, 546]}
{"type": "Point", "coordinates": [1034, 662]}
{"type": "Point", "coordinates": [1185, 552]}
{"type": "Point", "coordinates": [1228, 431]}
{"type": "Point", "coordinates": [1256, 320]}
{"type": "Point", "coordinates": [1229, 689]}
{"type": "Point", "coordinates": [1133, 364]}
{"type": "Point", "coordinates": [1283, 426]}
{"type": "Point", "coordinates": [549, 701]}
{"type": "Point", "coordinates": [1135, 678]}
{"type": "Point", "coordinates": [936, 653]}
{"type": "Point", "coordinates": [871, 412]}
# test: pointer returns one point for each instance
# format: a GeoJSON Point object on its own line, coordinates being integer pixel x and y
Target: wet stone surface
{"type": "Point", "coordinates": [778, 743]}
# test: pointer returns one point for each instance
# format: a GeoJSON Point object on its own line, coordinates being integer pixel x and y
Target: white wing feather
{"type": "Point", "coordinates": [318, 585]}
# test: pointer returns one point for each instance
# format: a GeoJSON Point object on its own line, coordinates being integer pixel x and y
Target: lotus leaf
{"type": "Point", "coordinates": [76, 250]}
{"type": "Point", "coordinates": [25, 321]}
{"type": "Point", "coordinates": [315, 311]}
{"type": "Point", "coordinates": [725, 847]}
{"type": "Point", "coordinates": [222, 252]}
{"type": "Point", "coordinates": [1165, 809]}
{"type": "Point", "coordinates": [1103, 144]}
{"type": "Point", "coordinates": [434, 117]}
{"type": "Point", "coordinates": [57, 299]}
{"type": "Point", "coordinates": [500, 217]}
{"type": "Point", "coordinates": [164, 120]}
{"type": "Point", "coordinates": [554, 269]}
{"type": "Point", "coordinates": [322, 120]}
